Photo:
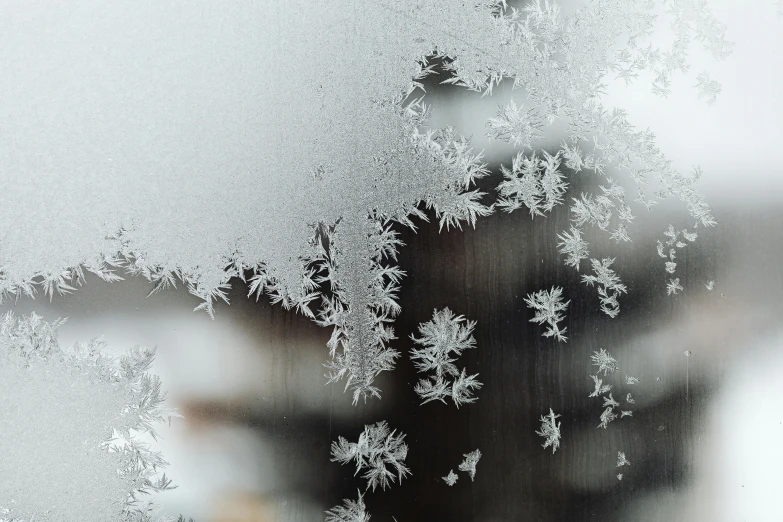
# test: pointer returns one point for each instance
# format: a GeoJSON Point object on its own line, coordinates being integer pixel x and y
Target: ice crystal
{"type": "Point", "coordinates": [573, 246]}
{"type": "Point", "coordinates": [709, 285]}
{"type": "Point", "coordinates": [350, 511]}
{"type": "Point", "coordinates": [377, 450]}
{"type": "Point", "coordinates": [600, 387]}
{"type": "Point", "coordinates": [621, 460]}
{"type": "Point", "coordinates": [673, 286]}
{"type": "Point", "coordinates": [606, 417]}
{"type": "Point", "coordinates": [533, 182]}
{"type": "Point", "coordinates": [76, 419]}
{"type": "Point", "coordinates": [443, 339]}
{"type": "Point", "coordinates": [468, 464]}
{"type": "Point", "coordinates": [619, 476]}
{"type": "Point", "coordinates": [609, 401]}
{"type": "Point", "coordinates": [326, 127]}
{"type": "Point", "coordinates": [609, 285]}
{"type": "Point", "coordinates": [549, 308]}
{"type": "Point", "coordinates": [516, 124]}
{"type": "Point", "coordinates": [550, 430]}
{"type": "Point", "coordinates": [451, 478]}
{"type": "Point", "coordinates": [625, 413]}
{"type": "Point", "coordinates": [605, 362]}
{"type": "Point", "coordinates": [707, 88]}
{"type": "Point", "coordinates": [631, 380]}
{"type": "Point", "coordinates": [629, 399]}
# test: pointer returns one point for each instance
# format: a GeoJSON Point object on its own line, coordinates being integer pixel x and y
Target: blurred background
{"type": "Point", "coordinates": [704, 438]}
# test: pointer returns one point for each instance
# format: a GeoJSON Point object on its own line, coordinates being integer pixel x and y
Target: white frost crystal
{"type": "Point", "coordinates": [609, 285]}
{"type": "Point", "coordinates": [380, 451]}
{"type": "Point", "coordinates": [605, 362]}
{"type": "Point", "coordinates": [451, 478]}
{"type": "Point", "coordinates": [607, 416]}
{"type": "Point", "coordinates": [600, 387]}
{"type": "Point", "coordinates": [443, 339]}
{"type": "Point", "coordinates": [550, 430]}
{"type": "Point", "coordinates": [350, 511]}
{"type": "Point", "coordinates": [549, 308]}
{"type": "Point", "coordinates": [621, 460]}
{"type": "Point", "coordinates": [74, 418]}
{"type": "Point", "coordinates": [468, 464]}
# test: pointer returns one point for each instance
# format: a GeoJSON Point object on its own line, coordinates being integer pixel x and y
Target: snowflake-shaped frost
{"type": "Point", "coordinates": [534, 182]}
{"type": "Point", "coordinates": [609, 401]}
{"type": "Point", "coordinates": [549, 305]}
{"type": "Point", "coordinates": [550, 430]}
{"type": "Point", "coordinates": [350, 511]}
{"type": "Point", "coordinates": [377, 450]}
{"type": "Point", "coordinates": [605, 362]}
{"type": "Point", "coordinates": [621, 460]}
{"type": "Point", "coordinates": [606, 417]}
{"type": "Point", "coordinates": [573, 246]}
{"type": "Point", "coordinates": [468, 464]}
{"type": "Point", "coordinates": [609, 285]}
{"type": "Point", "coordinates": [600, 387]}
{"type": "Point", "coordinates": [443, 339]}
{"type": "Point", "coordinates": [451, 478]}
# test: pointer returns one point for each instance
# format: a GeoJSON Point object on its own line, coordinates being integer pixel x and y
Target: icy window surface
{"type": "Point", "coordinates": [197, 143]}
{"type": "Point", "coordinates": [72, 428]}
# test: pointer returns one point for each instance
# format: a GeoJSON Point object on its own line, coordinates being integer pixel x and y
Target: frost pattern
{"type": "Point", "coordinates": [709, 285]}
{"type": "Point", "coordinates": [607, 416]}
{"type": "Point", "coordinates": [350, 511]}
{"type": "Point", "coordinates": [600, 387]}
{"type": "Point", "coordinates": [667, 249]}
{"type": "Point", "coordinates": [533, 182]}
{"type": "Point", "coordinates": [609, 286]}
{"type": "Point", "coordinates": [629, 399]}
{"type": "Point", "coordinates": [77, 417]}
{"type": "Point", "coordinates": [708, 88]}
{"type": "Point", "coordinates": [605, 362]}
{"type": "Point", "coordinates": [468, 464]}
{"type": "Point", "coordinates": [451, 478]}
{"type": "Point", "coordinates": [610, 402]}
{"type": "Point", "coordinates": [621, 460]}
{"type": "Point", "coordinates": [333, 128]}
{"type": "Point", "coordinates": [550, 430]}
{"type": "Point", "coordinates": [516, 124]}
{"type": "Point", "coordinates": [549, 308]}
{"type": "Point", "coordinates": [573, 246]}
{"type": "Point", "coordinates": [444, 338]}
{"type": "Point", "coordinates": [631, 380]}
{"type": "Point", "coordinates": [377, 448]}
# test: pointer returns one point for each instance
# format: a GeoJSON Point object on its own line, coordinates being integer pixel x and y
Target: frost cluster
{"type": "Point", "coordinates": [609, 285]}
{"type": "Point", "coordinates": [443, 339]}
{"type": "Point", "coordinates": [380, 451]}
{"type": "Point", "coordinates": [350, 511]}
{"type": "Point", "coordinates": [533, 182]}
{"type": "Point", "coordinates": [550, 430]}
{"type": "Point", "coordinates": [75, 417]}
{"type": "Point", "coordinates": [549, 308]}
{"type": "Point", "coordinates": [605, 362]}
{"type": "Point", "coordinates": [468, 464]}
{"type": "Point", "coordinates": [451, 478]}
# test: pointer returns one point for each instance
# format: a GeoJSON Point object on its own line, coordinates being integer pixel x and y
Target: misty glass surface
{"type": "Point", "coordinates": [704, 440]}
